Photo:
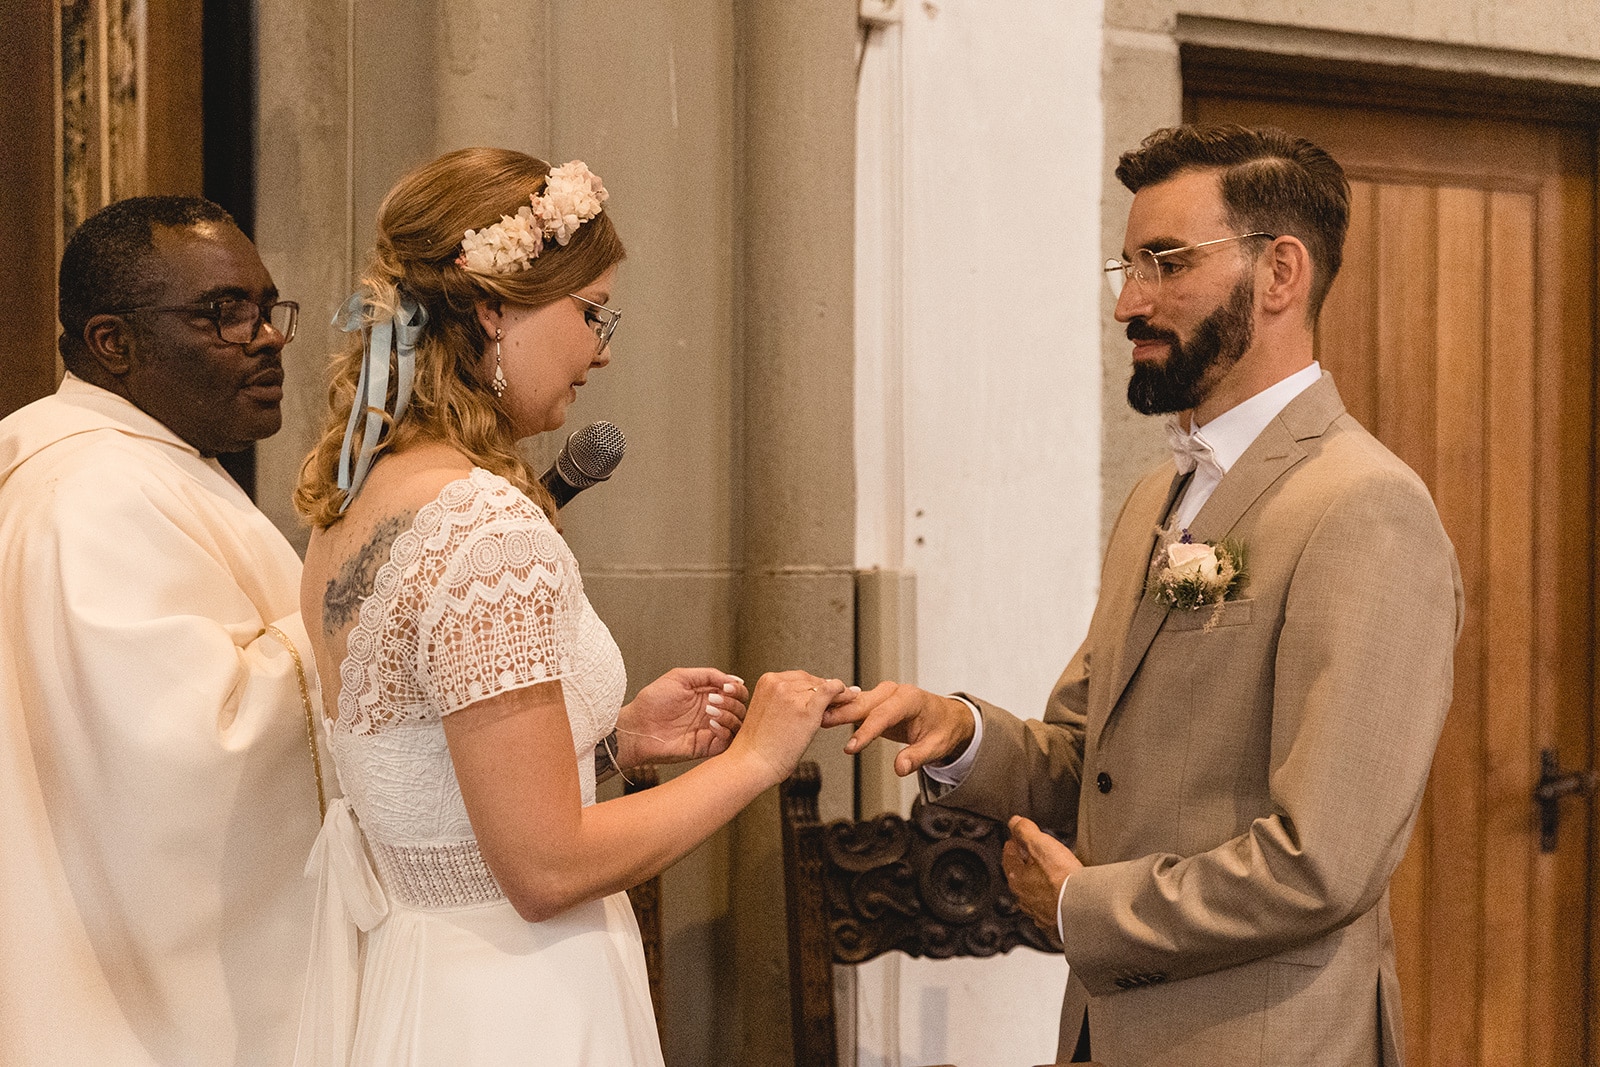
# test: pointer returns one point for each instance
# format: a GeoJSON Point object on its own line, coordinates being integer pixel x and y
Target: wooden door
{"type": "Point", "coordinates": [103, 100]}
{"type": "Point", "coordinates": [1461, 332]}
{"type": "Point", "coordinates": [28, 215]}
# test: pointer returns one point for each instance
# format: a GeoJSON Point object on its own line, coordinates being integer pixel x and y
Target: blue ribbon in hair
{"type": "Point", "coordinates": [387, 335]}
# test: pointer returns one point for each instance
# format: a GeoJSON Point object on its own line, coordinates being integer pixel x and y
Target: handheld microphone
{"type": "Point", "coordinates": [588, 458]}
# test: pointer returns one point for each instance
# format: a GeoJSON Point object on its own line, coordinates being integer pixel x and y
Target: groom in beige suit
{"type": "Point", "coordinates": [1237, 780]}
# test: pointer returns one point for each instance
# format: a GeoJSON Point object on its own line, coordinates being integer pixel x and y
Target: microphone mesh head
{"type": "Point", "coordinates": [591, 454]}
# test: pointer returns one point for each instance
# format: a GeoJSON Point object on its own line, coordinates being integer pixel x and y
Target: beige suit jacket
{"type": "Point", "coordinates": [1242, 792]}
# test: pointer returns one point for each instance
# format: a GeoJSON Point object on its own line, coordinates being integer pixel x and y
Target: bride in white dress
{"type": "Point", "coordinates": [471, 689]}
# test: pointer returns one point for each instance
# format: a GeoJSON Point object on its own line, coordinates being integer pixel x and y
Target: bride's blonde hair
{"type": "Point", "coordinates": [420, 226]}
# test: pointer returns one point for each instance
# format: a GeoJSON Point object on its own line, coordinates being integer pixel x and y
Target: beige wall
{"type": "Point", "coordinates": [1542, 40]}
{"type": "Point", "coordinates": [725, 135]}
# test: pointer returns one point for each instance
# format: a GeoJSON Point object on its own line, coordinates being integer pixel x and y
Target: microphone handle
{"type": "Point", "coordinates": [558, 487]}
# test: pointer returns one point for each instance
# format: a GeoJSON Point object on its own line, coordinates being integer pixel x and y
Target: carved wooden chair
{"type": "Point", "coordinates": [929, 886]}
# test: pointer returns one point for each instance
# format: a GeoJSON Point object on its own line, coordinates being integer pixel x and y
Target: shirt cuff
{"type": "Point", "coordinates": [1061, 927]}
{"type": "Point", "coordinates": [955, 772]}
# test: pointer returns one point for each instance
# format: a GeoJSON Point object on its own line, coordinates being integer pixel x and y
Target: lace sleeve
{"type": "Point", "coordinates": [500, 612]}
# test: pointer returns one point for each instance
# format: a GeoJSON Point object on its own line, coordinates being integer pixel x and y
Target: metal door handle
{"type": "Point", "coordinates": [1554, 783]}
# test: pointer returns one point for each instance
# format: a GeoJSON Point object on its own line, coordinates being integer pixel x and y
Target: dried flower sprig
{"type": "Point", "coordinates": [573, 194]}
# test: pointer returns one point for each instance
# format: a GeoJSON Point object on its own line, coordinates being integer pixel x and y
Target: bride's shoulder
{"type": "Point", "coordinates": [415, 476]}
{"type": "Point", "coordinates": [435, 474]}
{"type": "Point", "coordinates": [442, 495]}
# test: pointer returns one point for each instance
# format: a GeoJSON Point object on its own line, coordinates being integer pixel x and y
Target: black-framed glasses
{"type": "Point", "coordinates": [601, 319]}
{"type": "Point", "coordinates": [238, 322]}
{"type": "Point", "coordinates": [1148, 268]}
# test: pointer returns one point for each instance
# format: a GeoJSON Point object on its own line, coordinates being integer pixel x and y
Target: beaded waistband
{"type": "Point", "coordinates": [436, 876]}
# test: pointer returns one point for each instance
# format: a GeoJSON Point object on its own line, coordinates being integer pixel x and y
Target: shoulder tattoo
{"type": "Point", "coordinates": [353, 584]}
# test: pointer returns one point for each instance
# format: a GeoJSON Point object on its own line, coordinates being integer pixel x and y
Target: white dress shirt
{"type": "Point", "coordinates": [1229, 435]}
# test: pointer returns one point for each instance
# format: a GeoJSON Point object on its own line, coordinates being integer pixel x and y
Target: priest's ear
{"type": "Point", "coordinates": [107, 347]}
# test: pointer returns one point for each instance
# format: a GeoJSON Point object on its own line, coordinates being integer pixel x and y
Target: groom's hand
{"type": "Point", "coordinates": [1036, 865]}
{"type": "Point", "coordinates": [934, 729]}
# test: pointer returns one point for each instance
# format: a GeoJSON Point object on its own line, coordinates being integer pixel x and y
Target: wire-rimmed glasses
{"type": "Point", "coordinates": [601, 319]}
{"type": "Point", "coordinates": [1148, 268]}
{"type": "Point", "coordinates": [238, 322]}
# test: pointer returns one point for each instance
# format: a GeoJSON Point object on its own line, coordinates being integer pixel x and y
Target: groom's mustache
{"type": "Point", "coordinates": [1139, 329]}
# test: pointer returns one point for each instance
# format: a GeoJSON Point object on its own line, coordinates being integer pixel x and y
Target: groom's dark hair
{"type": "Point", "coordinates": [1272, 181]}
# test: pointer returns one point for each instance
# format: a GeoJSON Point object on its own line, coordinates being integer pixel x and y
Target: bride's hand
{"type": "Point", "coordinates": [785, 713]}
{"type": "Point", "coordinates": [687, 713]}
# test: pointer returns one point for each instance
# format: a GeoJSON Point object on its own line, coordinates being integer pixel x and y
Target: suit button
{"type": "Point", "coordinates": [1124, 983]}
{"type": "Point", "coordinates": [1157, 978]}
{"type": "Point", "coordinates": [1103, 780]}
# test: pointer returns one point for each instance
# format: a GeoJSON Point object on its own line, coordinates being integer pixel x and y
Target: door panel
{"type": "Point", "coordinates": [1460, 331]}
{"type": "Point", "coordinates": [1454, 965]}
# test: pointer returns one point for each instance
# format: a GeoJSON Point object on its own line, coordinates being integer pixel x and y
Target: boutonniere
{"type": "Point", "coordinates": [1187, 574]}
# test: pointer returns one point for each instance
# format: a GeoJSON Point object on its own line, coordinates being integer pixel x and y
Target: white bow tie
{"type": "Point", "coordinates": [1190, 450]}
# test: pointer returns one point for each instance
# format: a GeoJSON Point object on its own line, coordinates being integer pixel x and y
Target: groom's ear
{"type": "Point", "coordinates": [1288, 269]}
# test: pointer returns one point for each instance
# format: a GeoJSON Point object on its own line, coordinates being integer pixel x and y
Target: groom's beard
{"type": "Point", "coordinates": [1191, 369]}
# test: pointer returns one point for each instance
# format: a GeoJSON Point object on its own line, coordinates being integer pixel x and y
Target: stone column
{"type": "Point", "coordinates": [351, 96]}
{"type": "Point", "coordinates": [303, 223]}
{"type": "Point", "coordinates": [491, 75]}
{"type": "Point", "coordinates": [796, 606]}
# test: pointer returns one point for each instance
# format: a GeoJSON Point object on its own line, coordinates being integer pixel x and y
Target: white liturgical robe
{"type": "Point", "coordinates": [157, 800]}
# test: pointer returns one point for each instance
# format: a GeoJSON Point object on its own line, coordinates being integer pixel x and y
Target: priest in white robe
{"type": "Point", "coordinates": [157, 791]}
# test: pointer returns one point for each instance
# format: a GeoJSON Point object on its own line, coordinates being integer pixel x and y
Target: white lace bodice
{"type": "Point", "coordinates": [479, 597]}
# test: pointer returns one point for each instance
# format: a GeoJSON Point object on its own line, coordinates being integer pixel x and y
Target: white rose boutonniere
{"type": "Point", "coordinates": [1189, 574]}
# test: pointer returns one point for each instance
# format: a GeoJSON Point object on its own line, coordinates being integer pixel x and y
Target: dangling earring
{"type": "Point", "coordinates": [499, 382]}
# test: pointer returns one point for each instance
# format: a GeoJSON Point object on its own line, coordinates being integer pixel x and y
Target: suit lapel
{"type": "Point", "coordinates": [1274, 451]}
{"type": "Point", "coordinates": [1143, 613]}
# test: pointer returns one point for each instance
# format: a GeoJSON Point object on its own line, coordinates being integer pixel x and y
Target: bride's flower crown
{"type": "Point", "coordinates": [572, 196]}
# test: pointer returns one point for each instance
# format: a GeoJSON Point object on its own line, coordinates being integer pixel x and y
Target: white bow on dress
{"type": "Point", "coordinates": [349, 898]}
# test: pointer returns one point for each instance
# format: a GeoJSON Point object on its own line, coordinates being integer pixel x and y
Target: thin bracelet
{"type": "Point", "coordinates": [612, 756]}
{"type": "Point", "coordinates": [603, 767]}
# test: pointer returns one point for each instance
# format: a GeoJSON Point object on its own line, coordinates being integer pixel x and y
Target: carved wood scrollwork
{"type": "Point", "coordinates": [931, 886]}
{"type": "Point", "coordinates": [100, 101]}
{"type": "Point", "coordinates": [928, 886]}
